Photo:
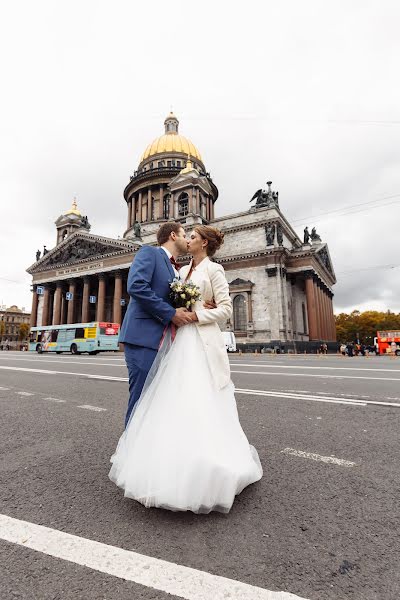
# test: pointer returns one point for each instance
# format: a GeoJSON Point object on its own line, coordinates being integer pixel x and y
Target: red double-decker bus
{"type": "Point", "coordinates": [387, 342]}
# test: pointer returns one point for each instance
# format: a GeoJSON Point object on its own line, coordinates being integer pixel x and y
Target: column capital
{"type": "Point", "coordinates": [117, 273]}
{"type": "Point", "coordinates": [309, 274]}
{"type": "Point", "coordinates": [101, 276]}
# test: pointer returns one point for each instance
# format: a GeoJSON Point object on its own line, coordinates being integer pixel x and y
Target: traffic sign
{"type": "Point", "coordinates": [69, 295]}
{"type": "Point", "coordinates": [92, 299]}
{"type": "Point", "coordinates": [40, 290]}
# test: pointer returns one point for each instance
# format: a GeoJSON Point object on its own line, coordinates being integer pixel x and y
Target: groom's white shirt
{"type": "Point", "coordinates": [168, 253]}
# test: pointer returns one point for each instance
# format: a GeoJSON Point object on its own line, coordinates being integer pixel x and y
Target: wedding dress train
{"type": "Point", "coordinates": [184, 448]}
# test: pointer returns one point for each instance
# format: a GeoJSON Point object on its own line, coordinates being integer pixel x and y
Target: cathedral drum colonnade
{"type": "Point", "coordinates": [281, 286]}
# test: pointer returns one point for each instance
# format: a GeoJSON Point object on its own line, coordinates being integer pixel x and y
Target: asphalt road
{"type": "Point", "coordinates": [322, 524]}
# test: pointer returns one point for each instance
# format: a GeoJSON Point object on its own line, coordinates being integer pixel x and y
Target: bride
{"type": "Point", "coordinates": [183, 448]}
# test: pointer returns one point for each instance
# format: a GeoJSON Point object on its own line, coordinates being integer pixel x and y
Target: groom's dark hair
{"type": "Point", "coordinates": [165, 231]}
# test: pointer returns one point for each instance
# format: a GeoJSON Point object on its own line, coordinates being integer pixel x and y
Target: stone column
{"type": "Point", "coordinates": [57, 304]}
{"type": "Point", "coordinates": [33, 321]}
{"type": "Point", "coordinates": [63, 310]}
{"type": "Point", "coordinates": [129, 213]}
{"type": "Point", "coordinates": [139, 212]}
{"type": "Point", "coordinates": [332, 317]}
{"type": "Point", "coordinates": [149, 204]}
{"type": "Point", "coordinates": [117, 297]}
{"type": "Point", "coordinates": [85, 299]}
{"type": "Point", "coordinates": [46, 303]}
{"type": "Point", "coordinates": [161, 203]}
{"type": "Point", "coordinates": [71, 303]}
{"type": "Point", "coordinates": [101, 298]}
{"type": "Point", "coordinates": [311, 306]}
{"type": "Point", "coordinates": [174, 202]}
{"type": "Point", "coordinates": [320, 313]}
{"type": "Point", "coordinates": [197, 211]}
{"type": "Point", "coordinates": [327, 319]}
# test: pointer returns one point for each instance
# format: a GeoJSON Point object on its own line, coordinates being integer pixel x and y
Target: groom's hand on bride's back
{"type": "Point", "coordinates": [210, 304]}
{"type": "Point", "coordinates": [182, 317]}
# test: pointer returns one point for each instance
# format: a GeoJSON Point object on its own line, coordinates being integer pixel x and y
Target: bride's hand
{"type": "Point", "coordinates": [210, 304]}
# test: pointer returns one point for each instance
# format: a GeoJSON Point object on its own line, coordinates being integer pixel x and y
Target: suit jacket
{"type": "Point", "coordinates": [149, 309]}
{"type": "Point", "coordinates": [210, 277]}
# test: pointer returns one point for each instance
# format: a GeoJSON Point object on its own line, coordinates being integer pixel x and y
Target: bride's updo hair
{"type": "Point", "coordinates": [214, 237]}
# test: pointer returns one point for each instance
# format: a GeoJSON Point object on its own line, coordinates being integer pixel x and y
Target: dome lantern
{"type": "Point", "coordinates": [171, 124]}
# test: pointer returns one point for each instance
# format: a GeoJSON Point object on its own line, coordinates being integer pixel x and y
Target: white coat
{"type": "Point", "coordinates": [210, 278]}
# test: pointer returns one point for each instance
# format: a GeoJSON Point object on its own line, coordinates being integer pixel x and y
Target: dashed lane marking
{"type": "Point", "coordinates": [55, 400]}
{"type": "Point", "coordinates": [4, 389]}
{"type": "Point", "coordinates": [325, 459]}
{"type": "Point", "coordinates": [90, 407]}
{"type": "Point", "coordinates": [25, 393]}
{"type": "Point", "coordinates": [154, 573]}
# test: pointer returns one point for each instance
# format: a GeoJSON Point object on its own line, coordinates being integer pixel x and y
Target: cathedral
{"type": "Point", "coordinates": [280, 285]}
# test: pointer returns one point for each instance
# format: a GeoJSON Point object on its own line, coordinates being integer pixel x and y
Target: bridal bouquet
{"type": "Point", "coordinates": [183, 294]}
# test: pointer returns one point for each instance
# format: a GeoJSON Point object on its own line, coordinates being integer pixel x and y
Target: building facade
{"type": "Point", "coordinates": [11, 320]}
{"type": "Point", "coordinates": [281, 286]}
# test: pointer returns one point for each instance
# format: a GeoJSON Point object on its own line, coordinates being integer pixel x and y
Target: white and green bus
{"type": "Point", "coordinates": [75, 338]}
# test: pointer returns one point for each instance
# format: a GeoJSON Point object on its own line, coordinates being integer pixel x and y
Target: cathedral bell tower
{"type": "Point", "coordinates": [69, 222]}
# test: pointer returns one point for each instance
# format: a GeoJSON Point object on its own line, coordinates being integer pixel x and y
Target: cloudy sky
{"type": "Point", "coordinates": [304, 93]}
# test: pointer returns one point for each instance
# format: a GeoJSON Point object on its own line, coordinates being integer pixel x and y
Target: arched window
{"type": "Point", "coordinates": [166, 203]}
{"type": "Point", "coordinates": [240, 313]}
{"type": "Point", "coordinates": [183, 204]}
{"type": "Point", "coordinates": [64, 234]}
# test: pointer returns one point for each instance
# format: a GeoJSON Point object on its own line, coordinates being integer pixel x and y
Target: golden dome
{"type": "Point", "coordinates": [74, 209]}
{"type": "Point", "coordinates": [171, 142]}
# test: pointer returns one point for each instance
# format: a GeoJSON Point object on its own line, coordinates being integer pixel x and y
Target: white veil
{"type": "Point", "coordinates": [157, 369]}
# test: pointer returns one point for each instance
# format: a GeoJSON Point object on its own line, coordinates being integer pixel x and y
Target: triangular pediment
{"type": "Point", "coordinates": [324, 257]}
{"type": "Point", "coordinates": [80, 248]}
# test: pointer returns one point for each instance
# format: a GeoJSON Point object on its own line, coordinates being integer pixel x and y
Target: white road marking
{"type": "Point", "coordinates": [298, 397]}
{"type": "Point", "coordinates": [63, 361]}
{"type": "Point", "coordinates": [55, 399]}
{"type": "Point", "coordinates": [48, 372]}
{"type": "Point", "coordinates": [4, 389]}
{"type": "Point", "coordinates": [154, 573]}
{"type": "Point", "coordinates": [314, 375]}
{"type": "Point", "coordinates": [326, 459]}
{"type": "Point", "coordinates": [90, 407]}
{"type": "Point", "coordinates": [257, 365]}
{"type": "Point", "coordinates": [25, 393]}
{"type": "Point", "coordinates": [316, 398]}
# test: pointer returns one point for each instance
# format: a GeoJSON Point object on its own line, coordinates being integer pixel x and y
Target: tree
{"type": "Point", "coordinates": [363, 326]}
{"type": "Point", "coordinates": [23, 331]}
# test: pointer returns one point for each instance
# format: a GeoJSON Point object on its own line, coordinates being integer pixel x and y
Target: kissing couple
{"type": "Point", "coordinates": [183, 447]}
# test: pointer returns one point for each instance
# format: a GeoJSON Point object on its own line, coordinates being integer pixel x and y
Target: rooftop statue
{"type": "Point", "coordinates": [38, 253]}
{"type": "Point", "coordinates": [137, 230]}
{"type": "Point", "coordinates": [314, 235]}
{"type": "Point", "coordinates": [306, 238]}
{"type": "Point", "coordinates": [266, 198]}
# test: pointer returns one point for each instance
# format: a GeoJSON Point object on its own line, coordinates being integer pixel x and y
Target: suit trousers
{"type": "Point", "coordinates": [138, 360]}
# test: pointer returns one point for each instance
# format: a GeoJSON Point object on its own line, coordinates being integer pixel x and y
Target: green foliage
{"type": "Point", "coordinates": [364, 325]}
{"type": "Point", "coordinates": [23, 331]}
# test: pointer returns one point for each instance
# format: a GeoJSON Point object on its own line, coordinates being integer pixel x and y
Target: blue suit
{"type": "Point", "coordinates": [149, 311]}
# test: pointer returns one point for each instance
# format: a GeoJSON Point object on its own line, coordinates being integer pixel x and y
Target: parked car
{"type": "Point", "coordinates": [230, 341]}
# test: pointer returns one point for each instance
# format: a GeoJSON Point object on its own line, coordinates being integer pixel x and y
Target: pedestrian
{"type": "Point", "coordinates": [343, 349]}
{"type": "Point", "coordinates": [350, 349]}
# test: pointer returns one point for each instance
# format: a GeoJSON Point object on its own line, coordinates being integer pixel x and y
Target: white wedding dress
{"type": "Point", "coordinates": [184, 448]}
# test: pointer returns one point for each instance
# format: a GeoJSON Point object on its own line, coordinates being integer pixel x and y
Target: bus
{"type": "Point", "coordinates": [75, 338]}
{"type": "Point", "coordinates": [387, 342]}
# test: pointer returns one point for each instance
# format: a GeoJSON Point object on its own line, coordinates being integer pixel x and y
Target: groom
{"type": "Point", "coordinates": [149, 311]}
